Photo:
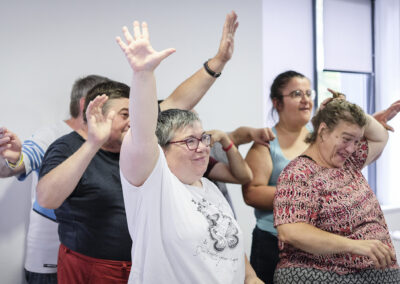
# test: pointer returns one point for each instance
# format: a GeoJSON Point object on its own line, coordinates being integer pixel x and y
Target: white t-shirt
{"type": "Point", "coordinates": [42, 242]}
{"type": "Point", "coordinates": [181, 233]}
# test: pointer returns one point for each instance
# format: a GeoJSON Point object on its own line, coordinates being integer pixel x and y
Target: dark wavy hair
{"type": "Point", "coordinates": [113, 90]}
{"type": "Point", "coordinates": [279, 83]}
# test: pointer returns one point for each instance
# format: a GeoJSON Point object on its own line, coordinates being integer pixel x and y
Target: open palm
{"type": "Point", "coordinates": [138, 50]}
{"type": "Point", "coordinates": [99, 124]}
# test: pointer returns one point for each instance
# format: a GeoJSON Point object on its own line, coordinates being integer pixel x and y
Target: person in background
{"type": "Point", "coordinates": [330, 225]}
{"type": "Point", "coordinates": [21, 160]}
{"type": "Point", "coordinates": [292, 99]}
{"type": "Point", "coordinates": [79, 179]}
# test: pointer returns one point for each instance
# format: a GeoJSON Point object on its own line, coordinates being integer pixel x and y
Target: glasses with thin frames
{"type": "Point", "coordinates": [192, 143]}
{"type": "Point", "coordinates": [299, 94]}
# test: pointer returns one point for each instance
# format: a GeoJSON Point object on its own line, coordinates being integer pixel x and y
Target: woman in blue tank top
{"type": "Point", "coordinates": [292, 99]}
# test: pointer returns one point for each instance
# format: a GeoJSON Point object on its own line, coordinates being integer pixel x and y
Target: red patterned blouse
{"type": "Point", "coordinates": [336, 200]}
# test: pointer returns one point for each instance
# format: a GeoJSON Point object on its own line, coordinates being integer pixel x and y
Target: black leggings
{"type": "Point", "coordinates": [264, 254]}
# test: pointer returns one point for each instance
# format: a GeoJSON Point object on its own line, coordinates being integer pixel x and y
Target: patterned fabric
{"type": "Point", "coordinates": [336, 200]}
{"type": "Point", "coordinates": [309, 275]}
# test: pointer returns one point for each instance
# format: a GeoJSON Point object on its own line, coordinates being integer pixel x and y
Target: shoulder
{"type": "Point", "coordinates": [67, 143]}
{"type": "Point", "coordinates": [209, 185]}
{"type": "Point", "coordinates": [298, 170]}
{"type": "Point", "coordinates": [44, 136]}
{"type": "Point", "coordinates": [51, 132]}
{"type": "Point", "coordinates": [260, 149]}
{"type": "Point", "coordinates": [73, 138]}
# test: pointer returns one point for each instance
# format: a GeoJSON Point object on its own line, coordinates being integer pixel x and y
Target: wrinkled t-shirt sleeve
{"type": "Point", "coordinates": [57, 153]}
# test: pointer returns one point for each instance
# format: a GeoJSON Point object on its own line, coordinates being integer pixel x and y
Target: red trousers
{"type": "Point", "coordinates": [76, 268]}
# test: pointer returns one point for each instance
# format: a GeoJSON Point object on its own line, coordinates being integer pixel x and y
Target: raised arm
{"type": "Point", "coordinates": [258, 193]}
{"type": "Point", "coordinates": [190, 92]}
{"type": "Point", "coordinates": [54, 187]}
{"type": "Point", "coordinates": [377, 137]}
{"type": "Point", "coordinates": [139, 151]}
{"type": "Point", "coordinates": [244, 134]}
{"type": "Point", "coordinates": [11, 162]}
{"type": "Point", "coordinates": [237, 171]}
{"type": "Point", "coordinates": [384, 116]}
{"type": "Point", "coordinates": [375, 131]}
{"type": "Point", "coordinates": [316, 241]}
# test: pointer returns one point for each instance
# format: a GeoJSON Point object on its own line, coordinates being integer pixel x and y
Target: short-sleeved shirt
{"type": "Point", "coordinates": [336, 200]}
{"type": "Point", "coordinates": [181, 233]}
{"type": "Point", "coordinates": [92, 220]}
{"type": "Point", "coordinates": [42, 241]}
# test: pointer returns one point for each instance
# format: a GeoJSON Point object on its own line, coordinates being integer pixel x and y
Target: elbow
{"type": "Point", "coordinates": [44, 199]}
{"type": "Point", "coordinates": [386, 137]}
{"type": "Point", "coordinates": [250, 202]}
{"type": "Point", "coordinates": [245, 176]}
{"type": "Point", "coordinates": [247, 196]}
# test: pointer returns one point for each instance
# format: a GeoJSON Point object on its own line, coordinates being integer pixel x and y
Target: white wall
{"type": "Point", "coordinates": [387, 44]}
{"type": "Point", "coordinates": [287, 43]}
{"type": "Point", "coordinates": [46, 45]}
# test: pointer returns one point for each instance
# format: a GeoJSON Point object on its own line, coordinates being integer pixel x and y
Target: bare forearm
{"type": "Point", "coordinates": [191, 91]}
{"type": "Point", "coordinates": [377, 137]}
{"type": "Point", "coordinates": [374, 131]}
{"type": "Point", "coordinates": [259, 196]}
{"type": "Point", "coordinates": [59, 183]}
{"type": "Point", "coordinates": [238, 166]}
{"type": "Point", "coordinates": [241, 135]}
{"type": "Point", "coordinates": [5, 171]}
{"type": "Point", "coordinates": [140, 143]}
{"type": "Point", "coordinates": [249, 271]}
{"type": "Point", "coordinates": [313, 240]}
{"type": "Point", "coordinates": [143, 107]}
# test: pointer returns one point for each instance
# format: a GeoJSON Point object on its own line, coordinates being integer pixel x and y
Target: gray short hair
{"type": "Point", "coordinates": [171, 120]}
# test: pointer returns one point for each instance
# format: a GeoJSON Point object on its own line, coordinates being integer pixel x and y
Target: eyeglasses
{"type": "Point", "coordinates": [299, 94]}
{"type": "Point", "coordinates": [192, 143]}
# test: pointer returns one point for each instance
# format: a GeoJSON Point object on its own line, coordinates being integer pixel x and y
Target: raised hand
{"type": "Point", "coordinates": [336, 94]}
{"type": "Point", "coordinates": [219, 136]}
{"type": "Point", "coordinates": [226, 45]}
{"type": "Point", "coordinates": [10, 145]}
{"type": "Point", "coordinates": [262, 135]}
{"type": "Point", "coordinates": [99, 124]}
{"type": "Point", "coordinates": [384, 116]}
{"type": "Point", "coordinates": [138, 50]}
